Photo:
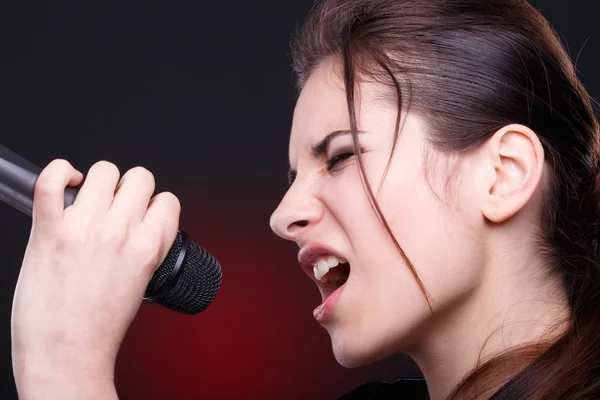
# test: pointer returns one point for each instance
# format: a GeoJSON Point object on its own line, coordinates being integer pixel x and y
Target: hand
{"type": "Point", "coordinates": [85, 271]}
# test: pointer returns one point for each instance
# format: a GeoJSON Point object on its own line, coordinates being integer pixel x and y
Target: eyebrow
{"type": "Point", "coordinates": [320, 149]}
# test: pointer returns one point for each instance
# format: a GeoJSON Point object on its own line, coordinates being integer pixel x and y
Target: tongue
{"type": "Point", "coordinates": [336, 277]}
{"type": "Point", "coordinates": [334, 274]}
{"type": "Point", "coordinates": [339, 274]}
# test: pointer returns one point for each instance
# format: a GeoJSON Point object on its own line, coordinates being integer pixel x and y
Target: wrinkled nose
{"type": "Point", "coordinates": [297, 213]}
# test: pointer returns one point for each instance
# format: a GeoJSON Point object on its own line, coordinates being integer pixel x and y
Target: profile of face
{"type": "Point", "coordinates": [380, 309]}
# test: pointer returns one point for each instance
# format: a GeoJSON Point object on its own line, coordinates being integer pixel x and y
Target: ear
{"type": "Point", "coordinates": [517, 156]}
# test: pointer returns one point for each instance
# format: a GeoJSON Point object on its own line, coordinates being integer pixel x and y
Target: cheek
{"type": "Point", "coordinates": [382, 302]}
{"type": "Point", "coordinates": [434, 227]}
{"type": "Point", "coordinates": [383, 307]}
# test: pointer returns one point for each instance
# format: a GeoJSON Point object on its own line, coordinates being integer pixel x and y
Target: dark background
{"type": "Point", "coordinates": [201, 94]}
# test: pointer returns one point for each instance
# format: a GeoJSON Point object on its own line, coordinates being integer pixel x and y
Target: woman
{"type": "Point", "coordinates": [444, 161]}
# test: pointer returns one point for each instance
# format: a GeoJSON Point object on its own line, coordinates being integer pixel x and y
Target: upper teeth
{"type": "Point", "coordinates": [323, 265]}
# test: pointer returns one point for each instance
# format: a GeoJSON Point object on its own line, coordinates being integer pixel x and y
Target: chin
{"type": "Point", "coordinates": [354, 353]}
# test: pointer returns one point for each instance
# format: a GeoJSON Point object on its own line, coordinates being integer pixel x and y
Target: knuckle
{"type": "Point", "coordinates": [116, 237]}
{"type": "Point", "coordinates": [171, 201]}
{"type": "Point", "coordinates": [148, 247]}
{"type": "Point", "coordinates": [67, 242]}
{"type": "Point", "coordinates": [142, 173]}
{"type": "Point", "coordinates": [139, 177]}
{"type": "Point", "coordinates": [105, 167]}
{"type": "Point", "coordinates": [59, 164]}
{"type": "Point", "coordinates": [50, 180]}
{"type": "Point", "coordinates": [45, 187]}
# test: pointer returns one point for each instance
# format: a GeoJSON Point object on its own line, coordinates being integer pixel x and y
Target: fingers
{"type": "Point", "coordinates": [125, 204]}
{"type": "Point", "coordinates": [98, 190]}
{"type": "Point", "coordinates": [91, 270]}
{"type": "Point", "coordinates": [163, 216]}
{"type": "Point", "coordinates": [133, 195]}
{"type": "Point", "coordinates": [49, 191]}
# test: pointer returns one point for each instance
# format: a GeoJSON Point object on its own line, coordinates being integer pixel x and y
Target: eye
{"type": "Point", "coordinates": [337, 159]}
{"type": "Point", "coordinates": [291, 176]}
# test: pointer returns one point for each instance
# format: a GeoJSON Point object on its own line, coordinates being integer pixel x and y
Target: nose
{"type": "Point", "coordinates": [297, 213]}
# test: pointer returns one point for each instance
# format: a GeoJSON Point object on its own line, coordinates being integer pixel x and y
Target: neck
{"type": "Point", "coordinates": [509, 307]}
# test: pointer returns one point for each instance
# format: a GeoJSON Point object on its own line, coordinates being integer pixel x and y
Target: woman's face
{"type": "Point", "coordinates": [380, 309]}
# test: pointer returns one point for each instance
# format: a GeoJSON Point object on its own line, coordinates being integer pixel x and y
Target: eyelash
{"type": "Point", "coordinates": [331, 164]}
{"type": "Point", "coordinates": [337, 159]}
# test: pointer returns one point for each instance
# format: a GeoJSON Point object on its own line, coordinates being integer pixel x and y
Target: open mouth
{"type": "Point", "coordinates": [333, 280]}
{"type": "Point", "coordinates": [332, 272]}
{"type": "Point", "coordinates": [326, 266]}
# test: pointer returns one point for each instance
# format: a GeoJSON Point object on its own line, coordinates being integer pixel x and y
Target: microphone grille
{"type": "Point", "coordinates": [198, 282]}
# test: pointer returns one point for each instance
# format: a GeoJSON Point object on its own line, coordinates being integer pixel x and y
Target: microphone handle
{"type": "Point", "coordinates": [17, 182]}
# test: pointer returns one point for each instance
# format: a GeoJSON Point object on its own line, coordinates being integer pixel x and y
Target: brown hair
{"type": "Point", "coordinates": [471, 67]}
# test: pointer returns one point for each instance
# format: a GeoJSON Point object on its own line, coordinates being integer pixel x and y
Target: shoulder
{"type": "Point", "coordinates": [413, 389]}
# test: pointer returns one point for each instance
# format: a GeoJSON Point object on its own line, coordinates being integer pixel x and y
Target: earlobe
{"type": "Point", "coordinates": [517, 157]}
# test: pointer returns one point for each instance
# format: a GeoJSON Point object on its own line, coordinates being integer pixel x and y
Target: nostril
{"type": "Point", "coordinates": [297, 225]}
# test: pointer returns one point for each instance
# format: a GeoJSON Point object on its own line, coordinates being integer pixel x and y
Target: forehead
{"type": "Point", "coordinates": [321, 109]}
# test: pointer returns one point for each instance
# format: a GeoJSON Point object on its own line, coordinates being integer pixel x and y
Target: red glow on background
{"type": "Point", "coordinates": [258, 339]}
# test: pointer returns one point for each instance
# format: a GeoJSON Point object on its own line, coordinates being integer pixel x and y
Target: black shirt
{"type": "Point", "coordinates": [403, 389]}
{"type": "Point", "coordinates": [409, 389]}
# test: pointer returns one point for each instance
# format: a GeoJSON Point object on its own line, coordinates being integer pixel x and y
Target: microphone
{"type": "Point", "coordinates": [188, 279]}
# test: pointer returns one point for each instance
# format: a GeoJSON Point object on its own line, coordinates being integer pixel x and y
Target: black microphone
{"type": "Point", "coordinates": [188, 279]}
